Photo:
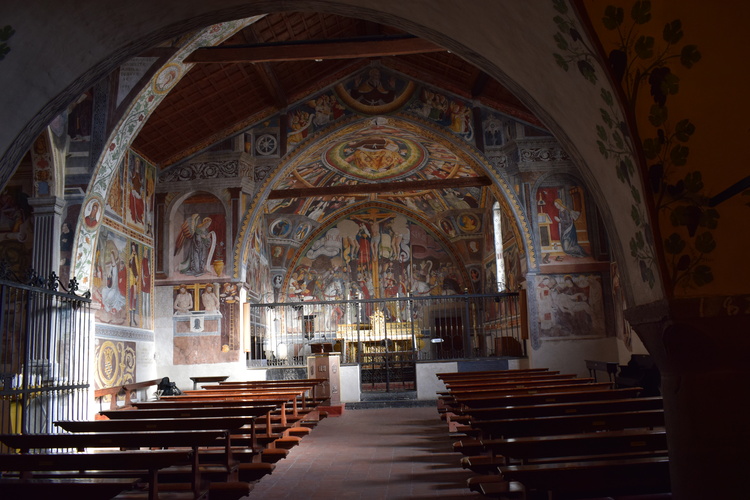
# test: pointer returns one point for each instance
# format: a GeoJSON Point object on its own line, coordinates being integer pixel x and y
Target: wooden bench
{"type": "Point", "coordinates": [277, 399]}
{"type": "Point", "coordinates": [507, 381]}
{"type": "Point", "coordinates": [610, 367]}
{"type": "Point", "coordinates": [566, 480]}
{"type": "Point", "coordinates": [123, 463]}
{"type": "Point", "coordinates": [569, 424]}
{"type": "Point", "coordinates": [249, 414]}
{"type": "Point", "coordinates": [567, 408]}
{"type": "Point", "coordinates": [526, 449]}
{"type": "Point", "coordinates": [126, 390]}
{"type": "Point", "coordinates": [66, 488]}
{"type": "Point", "coordinates": [208, 379]}
{"type": "Point", "coordinates": [312, 383]}
{"type": "Point", "coordinates": [586, 392]}
{"type": "Point", "coordinates": [192, 439]}
{"type": "Point", "coordinates": [445, 376]}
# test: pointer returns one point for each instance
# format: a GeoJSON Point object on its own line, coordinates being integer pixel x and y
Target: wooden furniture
{"type": "Point", "coordinates": [208, 379]}
{"type": "Point", "coordinates": [605, 366]}
{"type": "Point", "coordinates": [122, 463]}
{"type": "Point", "coordinates": [126, 390]}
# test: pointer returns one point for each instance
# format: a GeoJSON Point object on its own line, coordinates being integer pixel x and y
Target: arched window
{"type": "Point", "coordinates": [497, 220]}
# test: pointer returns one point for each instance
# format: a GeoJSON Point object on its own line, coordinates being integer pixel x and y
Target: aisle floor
{"type": "Point", "coordinates": [391, 453]}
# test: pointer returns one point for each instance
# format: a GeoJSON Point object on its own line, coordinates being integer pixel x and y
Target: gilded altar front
{"type": "Point", "coordinates": [373, 337]}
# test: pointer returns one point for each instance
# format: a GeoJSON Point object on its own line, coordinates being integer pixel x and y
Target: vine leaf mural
{"type": "Point", "coordinates": [5, 34]}
{"type": "Point", "coordinates": [642, 64]}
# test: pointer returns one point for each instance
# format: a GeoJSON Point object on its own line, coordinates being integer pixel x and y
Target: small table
{"type": "Point", "coordinates": [209, 379]}
{"type": "Point", "coordinates": [608, 366]}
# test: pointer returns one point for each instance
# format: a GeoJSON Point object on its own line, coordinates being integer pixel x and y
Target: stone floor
{"type": "Point", "coordinates": [390, 453]}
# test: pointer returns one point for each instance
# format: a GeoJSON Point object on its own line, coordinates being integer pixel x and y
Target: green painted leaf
{"type": "Point", "coordinates": [705, 242]}
{"type": "Point", "coordinates": [605, 116]}
{"type": "Point", "coordinates": [607, 97]}
{"type": "Point", "coordinates": [635, 193]}
{"type": "Point", "coordinates": [702, 275]}
{"type": "Point", "coordinates": [644, 47]}
{"type": "Point", "coordinates": [641, 12]}
{"type": "Point", "coordinates": [651, 148]}
{"type": "Point", "coordinates": [635, 215]}
{"type": "Point", "coordinates": [562, 43]}
{"type": "Point", "coordinates": [629, 164]}
{"type": "Point", "coordinates": [673, 32]}
{"type": "Point", "coordinates": [601, 132]}
{"type": "Point", "coordinates": [6, 33]}
{"type": "Point", "coordinates": [689, 56]}
{"type": "Point", "coordinates": [658, 115]}
{"type": "Point", "coordinates": [587, 70]}
{"type": "Point", "coordinates": [560, 6]}
{"type": "Point", "coordinates": [709, 218]}
{"type": "Point", "coordinates": [561, 23]}
{"type": "Point", "coordinates": [639, 239]}
{"type": "Point", "coordinates": [618, 140]}
{"type": "Point", "coordinates": [693, 182]}
{"type": "Point", "coordinates": [674, 245]}
{"type": "Point", "coordinates": [603, 149]}
{"type": "Point", "coordinates": [670, 84]}
{"type": "Point", "coordinates": [633, 248]}
{"type": "Point", "coordinates": [613, 17]}
{"type": "Point", "coordinates": [561, 62]}
{"type": "Point", "coordinates": [683, 130]}
{"type": "Point", "coordinates": [679, 155]}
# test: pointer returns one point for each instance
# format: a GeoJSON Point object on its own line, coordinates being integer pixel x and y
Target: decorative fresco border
{"type": "Point", "coordinates": [129, 126]}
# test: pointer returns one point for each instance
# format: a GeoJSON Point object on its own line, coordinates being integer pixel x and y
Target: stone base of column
{"type": "Point", "coordinates": [704, 362]}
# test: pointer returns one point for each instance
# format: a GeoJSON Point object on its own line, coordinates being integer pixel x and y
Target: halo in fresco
{"type": "Point", "coordinates": [376, 157]}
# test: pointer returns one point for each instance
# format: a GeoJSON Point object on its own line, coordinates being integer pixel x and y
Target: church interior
{"type": "Point", "coordinates": [231, 187]}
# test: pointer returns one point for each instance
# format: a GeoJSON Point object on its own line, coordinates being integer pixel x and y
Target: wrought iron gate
{"type": "Point", "coordinates": [44, 354]}
{"type": "Point", "coordinates": [387, 337]}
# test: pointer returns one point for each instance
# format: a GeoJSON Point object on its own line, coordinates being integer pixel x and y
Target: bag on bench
{"type": "Point", "coordinates": [168, 388]}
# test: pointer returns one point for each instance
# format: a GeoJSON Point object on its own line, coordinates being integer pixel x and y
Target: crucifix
{"type": "Point", "coordinates": [375, 217]}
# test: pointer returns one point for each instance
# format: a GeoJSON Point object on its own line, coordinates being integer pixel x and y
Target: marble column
{"type": "Point", "coordinates": [47, 218]}
{"type": "Point", "coordinates": [701, 347]}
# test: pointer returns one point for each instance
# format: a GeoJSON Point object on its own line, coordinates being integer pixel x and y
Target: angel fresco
{"type": "Point", "coordinates": [198, 243]}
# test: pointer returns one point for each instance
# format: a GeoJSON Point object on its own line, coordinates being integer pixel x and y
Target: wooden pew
{"type": "Point", "coordinates": [192, 439]}
{"type": "Point", "coordinates": [528, 388]}
{"type": "Point", "coordinates": [625, 441]}
{"type": "Point", "coordinates": [569, 424]}
{"type": "Point", "coordinates": [508, 381]}
{"type": "Point", "coordinates": [567, 480]}
{"type": "Point", "coordinates": [585, 392]}
{"type": "Point", "coordinates": [66, 488]}
{"type": "Point", "coordinates": [445, 376]}
{"type": "Point", "coordinates": [312, 383]}
{"type": "Point", "coordinates": [134, 461]}
{"type": "Point", "coordinates": [278, 399]}
{"type": "Point", "coordinates": [567, 408]}
{"type": "Point", "coordinates": [252, 412]}
{"type": "Point", "coordinates": [226, 457]}
{"type": "Point", "coordinates": [208, 379]}
{"type": "Point", "coordinates": [126, 390]}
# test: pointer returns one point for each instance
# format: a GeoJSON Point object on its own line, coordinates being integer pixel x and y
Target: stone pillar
{"type": "Point", "coordinates": [702, 349]}
{"type": "Point", "coordinates": [47, 218]}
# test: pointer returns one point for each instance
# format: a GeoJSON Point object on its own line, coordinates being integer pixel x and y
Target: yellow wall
{"type": "Point", "coordinates": [712, 95]}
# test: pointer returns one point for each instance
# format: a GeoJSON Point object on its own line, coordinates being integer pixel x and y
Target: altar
{"type": "Point", "coordinates": [377, 337]}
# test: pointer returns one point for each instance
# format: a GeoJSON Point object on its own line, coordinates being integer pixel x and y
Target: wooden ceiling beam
{"type": "Point", "coordinates": [381, 187]}
{"type": "Point", "coordinates": [351, 49]}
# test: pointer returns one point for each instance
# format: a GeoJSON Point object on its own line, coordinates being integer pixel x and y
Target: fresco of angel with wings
{"type": "Point", "coordinates": [197, 242]}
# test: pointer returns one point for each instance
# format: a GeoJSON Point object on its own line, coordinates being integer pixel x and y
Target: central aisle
{"type": "Point", "coordinates": [391, 453]}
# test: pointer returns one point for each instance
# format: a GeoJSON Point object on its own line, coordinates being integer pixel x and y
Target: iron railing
{"type": "Point", "coordinates": [44, 353]}
{"type": "Point", "coordinates": [415, 328]}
